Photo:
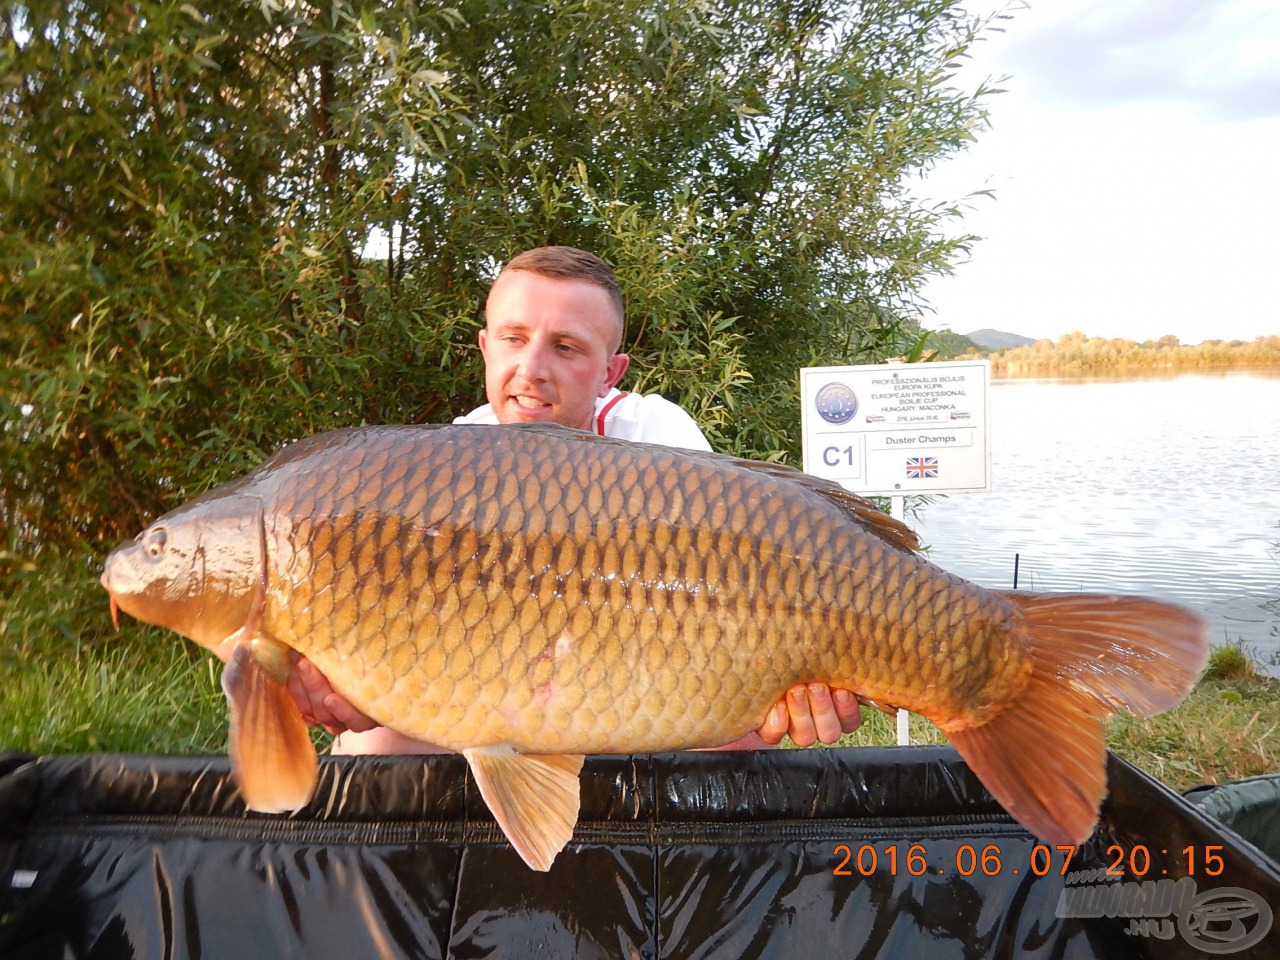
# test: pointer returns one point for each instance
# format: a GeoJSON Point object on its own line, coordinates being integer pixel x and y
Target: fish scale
{"type": "Point", "coordinates": [530, 594]}
{"type": "Point", "coordinates": [587, 541]}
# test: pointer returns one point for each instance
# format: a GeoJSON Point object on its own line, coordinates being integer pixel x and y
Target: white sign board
{"type": "Point", "coordinates": [893, 429]}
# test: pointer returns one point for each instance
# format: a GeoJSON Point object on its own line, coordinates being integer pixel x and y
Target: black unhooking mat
{"type": "Point", "coordinates": [890, 852]}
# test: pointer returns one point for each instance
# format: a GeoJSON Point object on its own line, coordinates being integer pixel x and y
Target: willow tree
{"type": "Point", "coordinates": [226, 225]}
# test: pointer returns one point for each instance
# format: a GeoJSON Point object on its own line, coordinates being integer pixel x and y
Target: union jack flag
{"type": "Point", "coordinates": [922, 466]}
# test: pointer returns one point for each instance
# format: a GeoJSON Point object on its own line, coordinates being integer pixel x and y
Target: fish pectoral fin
{"type": "Point", "coordinates": [272, 758]}
{"type": "Point", "coordinates": [533, 796]}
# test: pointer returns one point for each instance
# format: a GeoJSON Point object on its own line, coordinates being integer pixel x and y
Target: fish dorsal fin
{"type": "Point", "coordinates": [534, 797]}
{"type": "Point", "coordinates": [272, 757]}
{"type": "Point", "coordinates": [858, 509]}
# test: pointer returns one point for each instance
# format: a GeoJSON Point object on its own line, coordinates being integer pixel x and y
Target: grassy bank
{"type": "Point", "coordinates": [154, 695]}
{"type": "Point", "coordinates": [140, 697]}
{"type": "Point", "coordinates": [1224, 731]}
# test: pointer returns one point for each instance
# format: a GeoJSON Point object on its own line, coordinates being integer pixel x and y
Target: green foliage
{"type": "Point", "coordinates": [1225, 730]}
{"type": "Point", "coordinates": [223, 226]}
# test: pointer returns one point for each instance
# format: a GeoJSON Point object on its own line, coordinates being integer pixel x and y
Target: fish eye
{"type": "Point", "coordinates": [155, 543]}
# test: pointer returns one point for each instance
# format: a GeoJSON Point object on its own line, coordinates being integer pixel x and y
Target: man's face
{"type": "Point", "coordinates": [548, 349]}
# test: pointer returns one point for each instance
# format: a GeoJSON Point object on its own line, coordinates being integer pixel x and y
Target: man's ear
{"type": "Point", "coordinates": [613, 371]}
{"type": "Point", "coordinates": [483, 339]}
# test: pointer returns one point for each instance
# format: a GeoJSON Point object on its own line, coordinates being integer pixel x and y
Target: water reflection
{"type": "Point", "coordinates": [1167, 486]}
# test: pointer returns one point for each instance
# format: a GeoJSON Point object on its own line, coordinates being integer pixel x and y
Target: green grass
{"type": "Point", "coordinates": [1224, 731]}
{"type": "Point", "coordinates": [1230, 662]}
{"type": "Point", "coordinates": [71, 683]}
{"type": "Point", "coordinates": [129, 698]}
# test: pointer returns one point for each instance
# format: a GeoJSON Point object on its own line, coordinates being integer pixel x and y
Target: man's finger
{"type": "Point", "coordinates": [774, 727]}
{"type": "Point", "coordinates": [826, 723]}
{"type": "Point", "coordinates": [314, 688]}
{"type": "Point", "coordinates": [802, 731]}
{"type": "Point", "coordinates": [848, 709]}
{"type": "Point", "coordinates": [347, 715]}
{"type": "Point", "coordinates": [299, 693]}
{"type": "Point", "coordinates": [298, 689]}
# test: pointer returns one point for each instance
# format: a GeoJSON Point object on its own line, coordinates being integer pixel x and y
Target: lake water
{"type": "Point", "coordinates": [1168, 487]}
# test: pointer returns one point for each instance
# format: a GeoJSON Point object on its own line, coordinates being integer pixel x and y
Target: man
{"type": "Point", "coordinates": [553, 329]}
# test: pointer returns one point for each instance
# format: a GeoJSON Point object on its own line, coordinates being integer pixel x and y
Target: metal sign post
{"type": "Point", "coordinates": [898, 510]}
{"type": "Point", "coordinates": [897, 429]}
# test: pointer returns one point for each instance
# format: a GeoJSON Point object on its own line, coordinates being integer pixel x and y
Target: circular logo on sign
{"type": "Point", "coordinates": [836, 403]}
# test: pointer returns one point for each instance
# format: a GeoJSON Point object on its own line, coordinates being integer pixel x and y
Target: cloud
{"type": "Point", "coordinates": [1222, 58]}
{"type": "Point", "coordinates": [1125, 203]}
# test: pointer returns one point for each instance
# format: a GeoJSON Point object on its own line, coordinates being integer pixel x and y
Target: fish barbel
{"type": "Point", "coordinates": [530, 594]}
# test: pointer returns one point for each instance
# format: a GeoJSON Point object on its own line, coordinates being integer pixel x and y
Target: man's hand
{"type": "Point", "coordinates": [320, 706]}
{"type": "Point", "coordinates": [812, 712]}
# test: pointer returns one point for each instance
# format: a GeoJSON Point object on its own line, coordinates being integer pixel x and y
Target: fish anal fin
{"type": "Point", "coordinates": [534, 797]}
{"type": "Point", "coordinates": [272, 758]}
{"type": "Point", "coordinates": [1043, 756]}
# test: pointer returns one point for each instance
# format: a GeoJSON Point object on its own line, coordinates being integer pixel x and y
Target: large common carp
{"type": "Point", "coordinates": [530, 594]}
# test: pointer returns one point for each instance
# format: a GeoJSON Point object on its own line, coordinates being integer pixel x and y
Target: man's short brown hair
{"type": "Point", "coordinates": [570, 263]}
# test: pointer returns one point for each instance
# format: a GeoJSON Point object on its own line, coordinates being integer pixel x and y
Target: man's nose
{"type": "Point", "coordinates": [533, 363]}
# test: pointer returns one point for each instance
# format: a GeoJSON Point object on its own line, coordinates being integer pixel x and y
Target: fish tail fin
{"type": "Point", "coordinates": [1043, 757]}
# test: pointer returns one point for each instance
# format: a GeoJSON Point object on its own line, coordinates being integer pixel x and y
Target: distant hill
{"type": "Point", "coordinates": [950, 345]}
{"type": "Point", "coordinates": [997, 339]}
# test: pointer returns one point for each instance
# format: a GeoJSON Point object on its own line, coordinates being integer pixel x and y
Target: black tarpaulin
{"type": "Point", "coordinates": [885, 852]}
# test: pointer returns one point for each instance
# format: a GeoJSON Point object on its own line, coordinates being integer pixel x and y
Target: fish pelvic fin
{"type": "Point", "coordinates": [272, 758]}
{"type": "Point", "coordinates": [1043, 757]}
{"type": "Point", "coordinates": [534, 797]}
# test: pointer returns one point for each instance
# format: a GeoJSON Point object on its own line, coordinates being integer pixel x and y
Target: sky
{"type": "Point", "coordinates": [1135, 163]}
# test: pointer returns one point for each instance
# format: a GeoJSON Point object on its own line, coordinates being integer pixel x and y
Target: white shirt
{"type": "Point", "coordinates": [646, 418]}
